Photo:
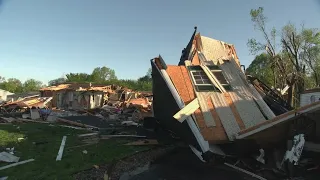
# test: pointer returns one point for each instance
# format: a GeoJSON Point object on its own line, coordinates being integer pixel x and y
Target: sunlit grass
{"type": "Point", "coordinates": [45, 165]}
{"type": "Point", "coordinates": [9, 138]}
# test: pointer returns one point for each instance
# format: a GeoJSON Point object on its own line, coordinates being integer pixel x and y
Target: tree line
{"type": "Point", "coordinates": [100, 75]}
{"type": "Point", "coordinates": [286, 57]}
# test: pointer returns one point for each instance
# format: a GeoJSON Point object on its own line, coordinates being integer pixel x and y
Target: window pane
{"type": "Point", "coordinates": [203, 73]}
{"type": "Point", "coordinates": [199, 82]}
{"type": "Point", "coordinates": [197, 77]}
{"type": "Point", "coordinates": [206, 81]}
{"type": "Point", "coordinates": [220, 77]}
{"type": "Point", "coordinates": [195, 73]}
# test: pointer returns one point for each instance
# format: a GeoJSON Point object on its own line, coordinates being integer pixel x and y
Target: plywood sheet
{"type": "Point", "coordinates": [225, 113]}
{"type": "Point", "coordinates": [202, 97]}
{"type": "Point", "coordinates": [242, 97]}
{"type": "Point", "coordinates": [213, 49]}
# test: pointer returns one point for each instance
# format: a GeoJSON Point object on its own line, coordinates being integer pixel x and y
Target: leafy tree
{"type": "Point", "coordinates": [57, 81]}
{"type": "Point", "coordinates": [311, 52]}
{"type": "Point", "coordinates": [32, 85]}
{"type": "Point", "coordinates": [147, 77]}
{"type": "Point", "coordinates": [12, 85]}
{"type": "Point", "coordinates": [78, 77]}
{"type": "Point", "coordinates": [261, 68]}
{"type": "Point", "coordinates": [297, 56]}
{"type": "Point", "coordinates": [102, 74]}
{"type": "Point", "coordinates": [2, 79]}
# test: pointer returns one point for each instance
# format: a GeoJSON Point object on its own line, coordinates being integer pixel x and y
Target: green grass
{"type": "Point", "coordinates": [45, 165]}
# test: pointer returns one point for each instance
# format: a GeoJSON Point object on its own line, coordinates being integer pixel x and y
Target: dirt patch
{"type": "Point", "coordinates": [92, 173]}
{"type": "Point", "coordinates": [116, 169]}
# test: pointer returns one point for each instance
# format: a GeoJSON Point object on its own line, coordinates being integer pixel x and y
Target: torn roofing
{"type": "Point", "coordinates": [78, 87]}
{"type": "Point", "coordinates": [31, 102]}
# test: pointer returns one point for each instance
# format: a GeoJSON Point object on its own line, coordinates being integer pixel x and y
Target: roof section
{"type": "Point", "coordinates": [215, 50]}
{"type": "Point", "coordinates": [78, 87]}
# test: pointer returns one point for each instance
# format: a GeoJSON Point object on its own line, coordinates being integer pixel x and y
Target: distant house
{"type": "Point", "coordinates": [309, 96]}
{"type": "Point", "coordinates": [76, 95]}
{"type": "Point", "coordinates": [4, 94]}
{"type": "Point", "coordinates": [17, 96]}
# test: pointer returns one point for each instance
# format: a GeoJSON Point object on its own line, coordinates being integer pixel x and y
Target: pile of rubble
{"type": "Point", "coordinates": [100, 106]}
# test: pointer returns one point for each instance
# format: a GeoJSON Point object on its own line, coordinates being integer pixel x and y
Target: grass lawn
{"type": "Point", "coordinates": [45, 165]}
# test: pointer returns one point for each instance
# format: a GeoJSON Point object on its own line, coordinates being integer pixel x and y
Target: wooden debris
{"type": "Point", "coordinates": [88, 134]}
{"type": "Point", "coordinates": [143, 142]}
{"type": "Point", "coordinates": [245, 171]}
{"type": "Point", "coordinates": [88, 144]}
{"type": "Point", "coordinates": [75, 123]}
{"type": "Point", "coordinates": [187, 110]}
{"type": "Point", "coordinates": [120, 136]}
{"type": "Point", "coordinates": [29, 120]}
{"type": "Point", "coordinates": [15, 164]}
{"type": "Point", "coordinates": [63, 142]}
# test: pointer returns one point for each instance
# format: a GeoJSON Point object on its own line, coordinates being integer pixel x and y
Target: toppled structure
{"type": "Point", "coordinates": [77, 96]}
{"type": "Point", "coordinates": [208, 102]}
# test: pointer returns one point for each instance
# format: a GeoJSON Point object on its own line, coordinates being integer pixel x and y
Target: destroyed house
{"type": "Point", "coordinates": [77, 95]}
{"type": "Point", "coordinates": [207, 100]}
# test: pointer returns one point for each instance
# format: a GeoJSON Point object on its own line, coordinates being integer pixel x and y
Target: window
{"type": "Point", "coordinates": [202, 82]}
{"type": "Point", "coordinates": [200, 78]}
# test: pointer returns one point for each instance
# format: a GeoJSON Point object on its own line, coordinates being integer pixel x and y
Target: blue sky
{"type": "Point", "coordinates": [44, 39]}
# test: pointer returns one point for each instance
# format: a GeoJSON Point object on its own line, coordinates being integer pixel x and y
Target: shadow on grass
{"type": "Point", "coordinates": [49, 138]}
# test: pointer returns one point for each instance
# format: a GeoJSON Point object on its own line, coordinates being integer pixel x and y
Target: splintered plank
{"type": "Point", "coordinates": [187, 111]}
{"type": "Point", "coordinates": [262, 104]}
{"type": "Point", "coordinates": [63, 142]}
{"type": "Point", "coordinates": [242, 98]}
{"type": "Point", "coordinates": [234, 110]}
{"type": "Point", "coordinates": [16, 164]}
{"type": "Point", "coordinates": [223, 110]}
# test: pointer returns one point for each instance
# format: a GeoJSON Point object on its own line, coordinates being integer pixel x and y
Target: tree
{"type": "Point", "coordinates": [311, 53]}
{"type": "Point", "coordinates": [57, 81]}
{"type": "Point", "coordinates": [12, 85]}
{"type": "Point", "coordinates": [31, 85]}
{"type": "Point", "coordinates": [261, 68]}
{"type": "Point", "coordinates": [78, 77]}
{"type": "Point", "coordinates": [298, 54]}
{"type": "Point", "coordinates": [102, 74]}
{"type": "Point", "coordinates": [147, 77]}
{"type": "Point", "coordinates": [2, 79]}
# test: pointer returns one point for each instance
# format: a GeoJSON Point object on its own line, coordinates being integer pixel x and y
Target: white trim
{"type": "Point", "coordinates": [188, 110]}
{"type": "Point", "coordinates": [194, 80]}
{"type": "Point", "coordinates": [63, 142]}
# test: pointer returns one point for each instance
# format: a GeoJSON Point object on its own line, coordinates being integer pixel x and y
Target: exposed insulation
{"type": "Point", "coordinates": [213, 49]}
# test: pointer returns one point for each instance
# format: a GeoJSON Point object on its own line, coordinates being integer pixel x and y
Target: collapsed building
{"type": "Point", "coordinates": [77, 95]}
{"type": "Point", "coordinates": [209, 102]}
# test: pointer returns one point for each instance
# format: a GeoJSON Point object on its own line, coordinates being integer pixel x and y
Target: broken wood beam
{"type": "Point", "coordinates": [187, 110]}
{"type": "Point", "coordinates": [16, 164]}
{"type": "Point", "coordinates": [63, 142]}
{"type": "Point", "coordinates": [75, 123]}
{"type": "Point", "coordinates": [143, 142]}
{"type": "Point", "coordinates": [120, 136]}
{"type": "Point", "coordinates": [245, 171]}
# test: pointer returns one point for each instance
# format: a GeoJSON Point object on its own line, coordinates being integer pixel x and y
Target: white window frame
{"type": "Point", "coordinates": [194, 80]}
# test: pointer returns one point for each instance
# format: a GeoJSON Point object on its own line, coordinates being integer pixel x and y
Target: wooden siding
{"type": "Point", "coordinates": [180, 78]}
